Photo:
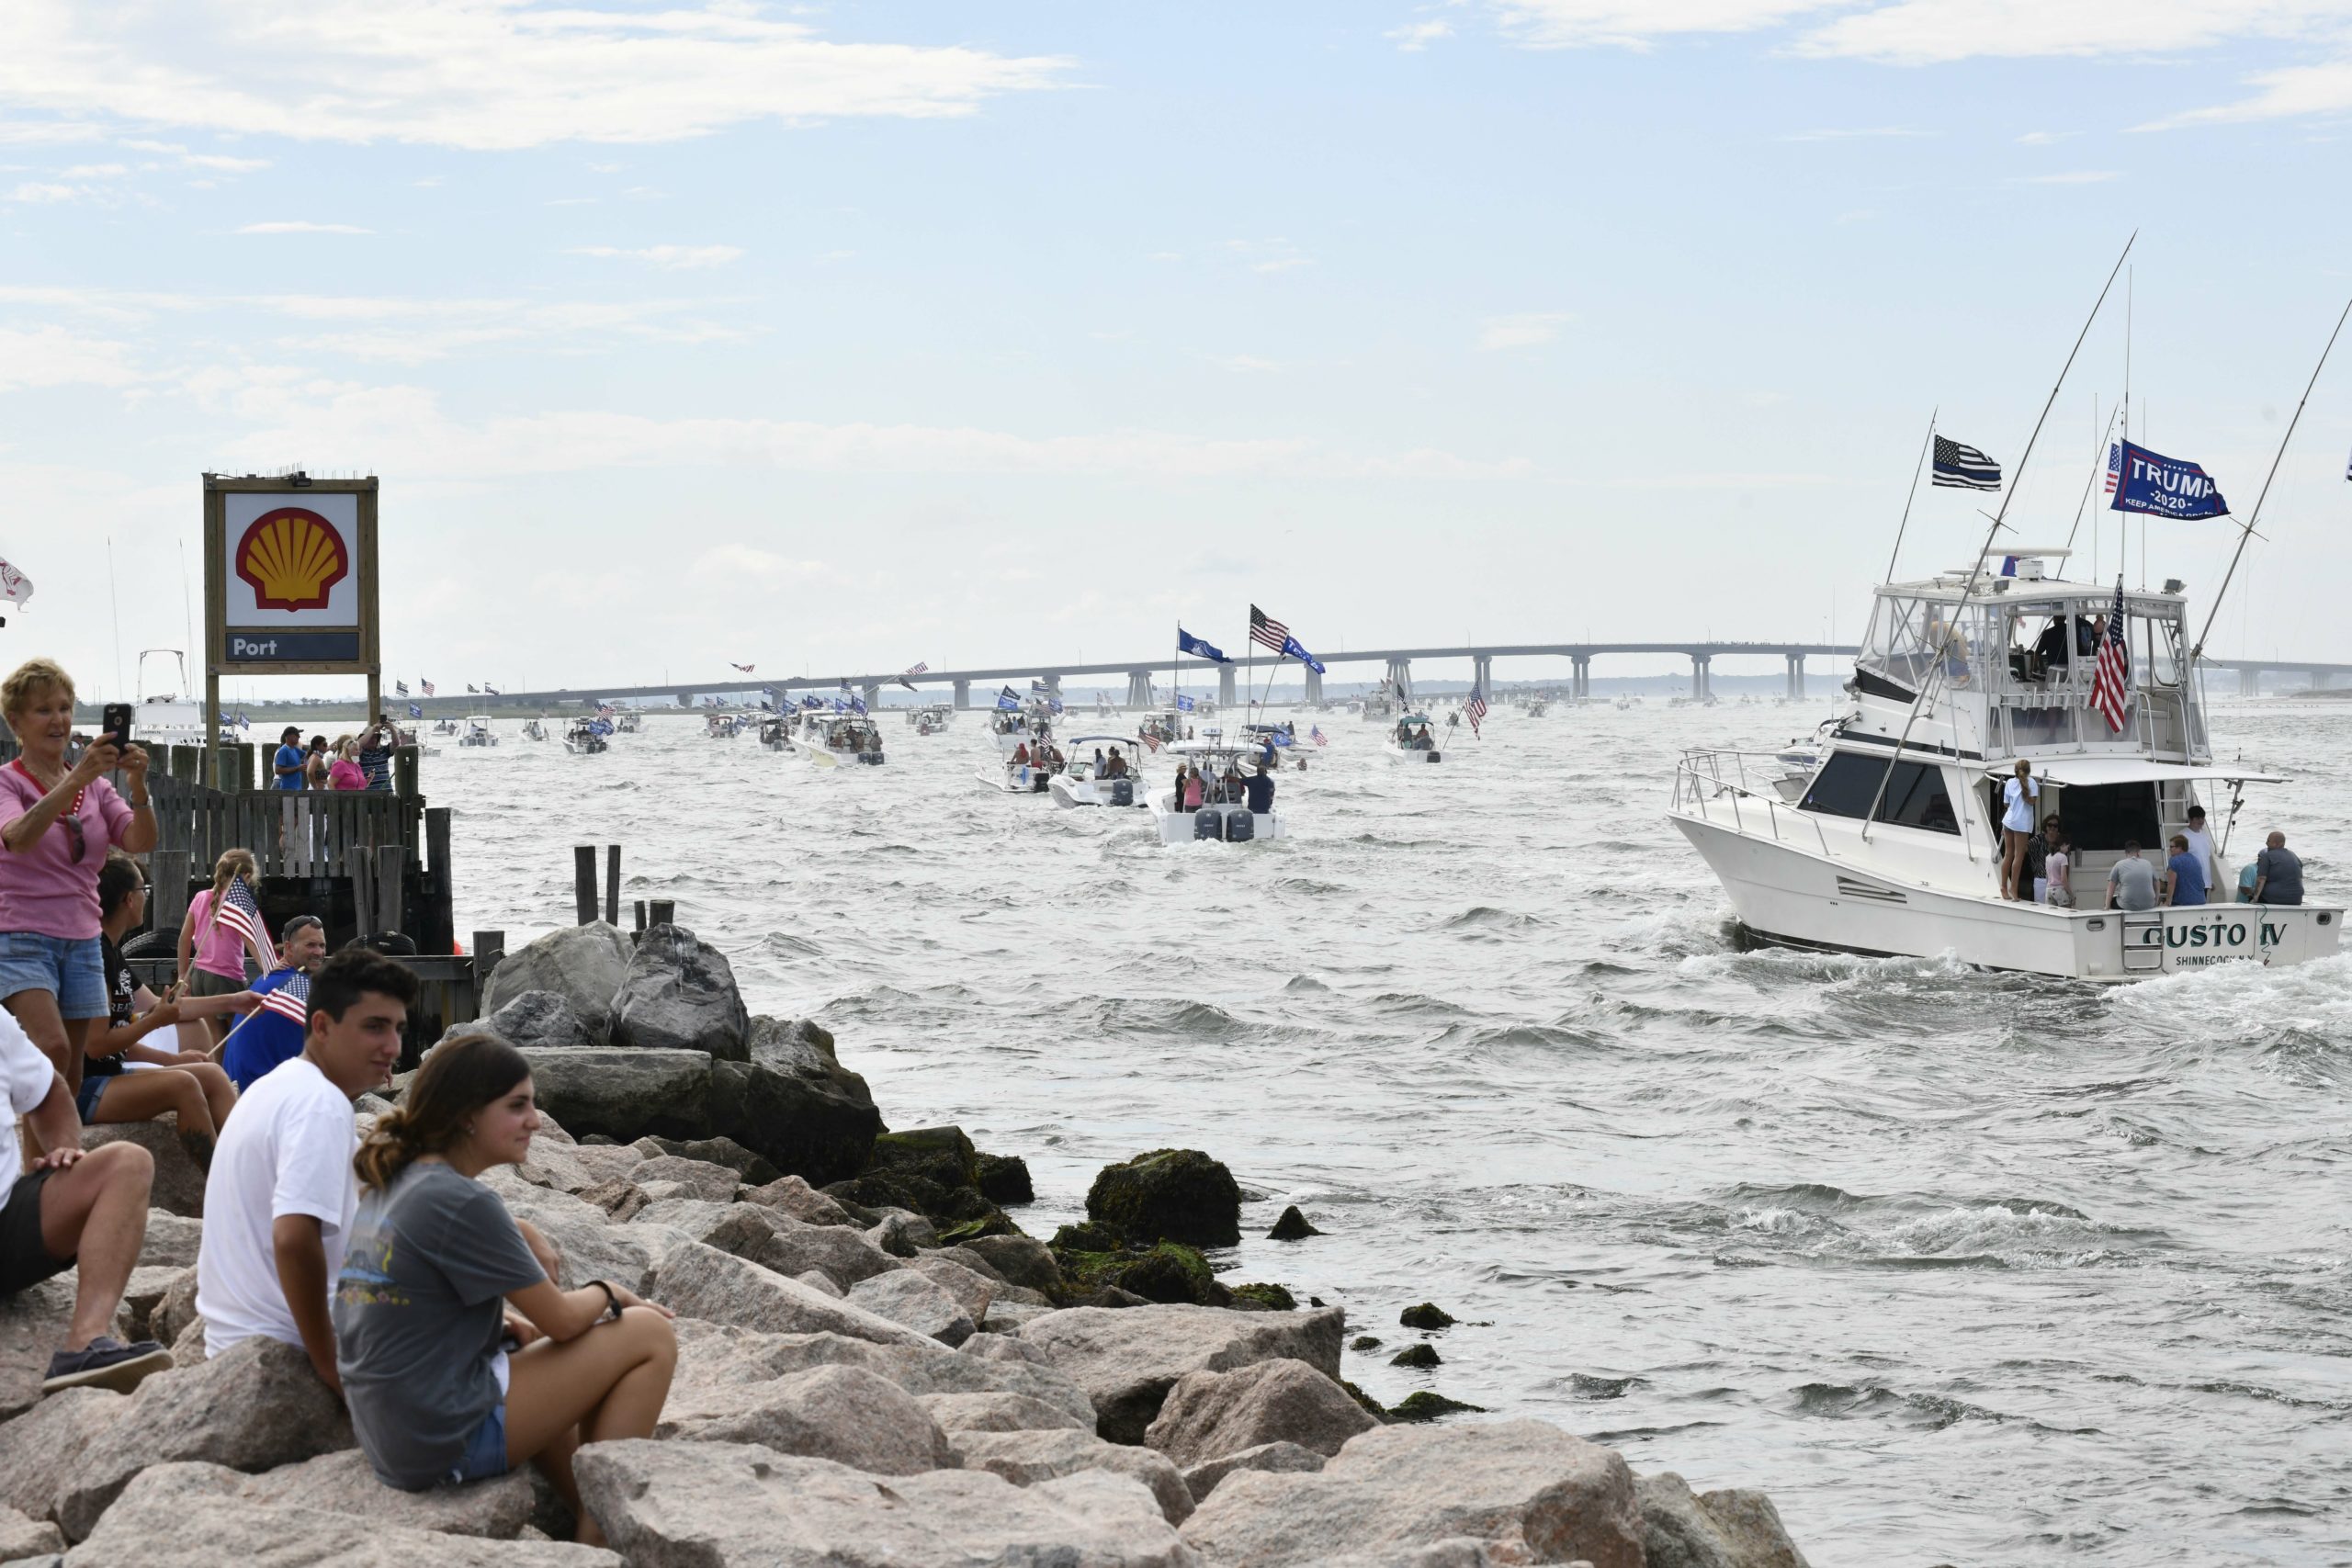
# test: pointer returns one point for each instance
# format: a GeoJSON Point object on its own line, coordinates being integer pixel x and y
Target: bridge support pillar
{"type": "Point", "coordinates": [1482, 673]}
{"type": "Point", "coordinates": [873, 695]}
{"type": "Point", "coordinates": [1225, 685]}
{"type": "Point", "coordinates": [962, 694]}
{"type": "Point", "coordinates": [1314, 686]}
{"type": "Point", "coordinates": [1580, 681]}
{"type": "Point", "coordinates": [1054, 687]}
{"type": "Point", "coordinates": [1699, 692]}
{"type": "Point", "coordinates": [2249, 682]}
{"type": "Point", "coordinates": [1400, 677]}
{"type": "Point", "coordinates": [1138, 689]}
{"type": "Point", "coordinates": [1796, 677]}
{"type": "Point", "coordinates": [2319, 680]}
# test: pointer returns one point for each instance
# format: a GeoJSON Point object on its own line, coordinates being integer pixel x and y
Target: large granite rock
{"type": "Point", "coordinates": [1168, 1195]}
{"type": "Point", "coordinates": [702, 1281]}
{"type": "Point", "coordinates": [972, 1289]}
{"type": "Point", "coordinates": [177, 1185]}
{"type": "Point", "coordinates": [960, 1413]}
{"type": "Point", "coordinates": [624, 1093]}
{"type": "Point", "coordinates": [588, 1245]}
{"type": "Point", "coordinates": [32, 1325]}
{"type": "Point", "coordinates": [41, 1447]}
{"type": "Point", "coordinates": [1711, 1529]}
{"type": "Point", "coordinates": [793, 1102]}
{"type": "Point", "coordinates": [1527, 1491]}
{"type": "Point", "coordinates": [1210, 1415]}
{"type": "Point", "coordinates": [679, 994]}
{"type": "Point", "coordinates": [21, 1537]}
{"type": "Point", "coordinates": [172, 1241]}
{"type": "Point", "coordinates": [906, 1297]}
{"type": "Point", "coordinates": [742, 1506]}
{"type": "Point", "coordinates": [1022, 1259]}
{"type": "Point", "coordinates": [753, 1169]}
{"type": "Point", "coordinates": [198, 1515]}
{"type": "Point", "coordinates": [793, 1196]}
{"type": "Point", "coordinates": [849, 1415]}
{"type": "Point", "coordinates": [723, 1369]}
{"type": "Point", "coordinates": [532, 1019]}
{"type": "Point", "coordinates": [583, 964]}
{"type": "Point", "coordinates": [342, 1482]}
{"type": "Point", "coordinates": [712, 1183]}
{"type": "Point", "coordinates": [1025, 1458]}
{"type": "Point", "coordinates": [1278, 1456]}
{"type": "Point", "coordinates": [1127, 1358]}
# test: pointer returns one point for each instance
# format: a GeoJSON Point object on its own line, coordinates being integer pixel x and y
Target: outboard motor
{"type": "Point", "coordinates": [1436, 756]}
{"type": "Point", "coordinates": [1240, 827]}
{"type": "Point", "coordinates": [1208, 823]}
{"type": "Point", "coordinates": [1122, 792]}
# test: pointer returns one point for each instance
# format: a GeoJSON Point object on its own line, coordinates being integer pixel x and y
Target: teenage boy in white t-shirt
{"type": "Point", "coordinates": [69, 1209]}
{"type": "Point", "coordinates": [279, 1203]}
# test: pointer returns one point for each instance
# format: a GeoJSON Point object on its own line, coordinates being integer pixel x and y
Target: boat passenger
{"type": "Point", "coordinates": [1117, 768]}
{"type": "Point", "coordinates": [1193, 786]}
{"type": "Point", "coordinates": [1053, 760]}
{"type": "Point", "coordinates": [2184, 875]}
{"type": "Point", "coordinates": [2200, 844]}
{"type": "Point", "coordinates": [2277, 874]}
{"type": "Point", "coordinates": [2050, 647]}
{"type": "Point", "coordinates": [2061, 894]}
{"type": "Point", "coordinates": [1260, 788]}
{"type": "Point", "coordinates": [2018, 797]}
{"type": "Point", "coordinates": [1020, 755]}
{"type": "Point", "coordinates": [2131, 884]}
{"type": "Point", "coordinates": [2037, 857]}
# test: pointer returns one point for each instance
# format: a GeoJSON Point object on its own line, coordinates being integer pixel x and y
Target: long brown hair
{"type": "Point", "coordinates": [233, 864]}
{"type": "Point", "coordinates": [457, 1080]}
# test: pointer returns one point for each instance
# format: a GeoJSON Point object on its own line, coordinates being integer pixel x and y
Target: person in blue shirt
{"type": "Point", "coordinates": [271, 1035]}
{"type": "Point", "coordinates": [291, 760]}
{"type": "Point", "coordinates": [2184, 875]}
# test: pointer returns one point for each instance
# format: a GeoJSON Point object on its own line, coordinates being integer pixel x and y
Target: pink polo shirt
{"type": "Point", "coordinates": [43, 889]}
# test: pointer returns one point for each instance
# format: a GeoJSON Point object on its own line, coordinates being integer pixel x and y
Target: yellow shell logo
{"type": "Point", "coordinates": [292, 558]}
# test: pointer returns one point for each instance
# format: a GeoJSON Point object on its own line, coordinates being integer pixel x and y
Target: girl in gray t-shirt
{"type": "Point", "coordinates": [459, 1358]}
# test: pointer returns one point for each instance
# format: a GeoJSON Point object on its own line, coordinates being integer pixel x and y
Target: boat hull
{"type": "Point", "coordinates": [1181, 828]}
{"type": "Point", "coordinates": [1785, 894]}
{"type": "Point", "coordinates": [1070, 793]}
{"type": "Point", "coordinates": [1406, 754]}
{"type": "Point", "coordinates": [1023, 780]}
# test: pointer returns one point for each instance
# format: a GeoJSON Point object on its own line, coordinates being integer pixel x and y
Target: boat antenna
{"type": "Point", "coordinates": [2246, 531]}
{"type": "Point", "coordinates": [1914, 495]}
{"type": "Point", "coordinates": [2083, 505]}
{"type": "Point", "coordinates": [1976, 567]}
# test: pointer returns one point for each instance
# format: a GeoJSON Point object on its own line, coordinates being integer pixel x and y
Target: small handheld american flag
{"type": "Point", "coordinates": [241, 912]}
{"type": "Point", "coordinates": [1265, 631]}
{"type": "Point", "coordinates": [2115, 465]}
{"type": "Point", "coordinates": [2111, 683]}
{"type": "Point", "coordinates": [291, 1000]}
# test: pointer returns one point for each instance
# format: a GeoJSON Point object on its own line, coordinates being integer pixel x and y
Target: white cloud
{"type": "Point", "coordinates": [35, 192]}
{"type": "Point", "coordinates": [1918, 32]}
{"type": "Point", "coordinates": [216, 161]}
{"type": "Point", "coordinates": [2072, 177]}
{"type": "Point", "coordinates": [674, 258]}
{"type": "Point", "coordinates": [1861, 133]}
{"type": "Point", "coordinates": [474, 73]}
{"type": "Point", "coordinates": [47, 132]}
{"type": "Point", "coordinates": [1268, 256]}
{"type": "Point", "coordinates": [95, 171]}
{"type": "Point", "coordinates": [1637, 24]}
{"type": "Point", "coordinates": [1521, 331]}
{"type": "Point", "coordinates": [1414, 37]}
{"type": "Point", "coordinates": [51, 356]}
{"type": "Point", "coordinates": [302, 226]}
{"type": "Point", "coordinates": [2297, 91]}
{"type": "Point", "coordinates": [2042, 138]}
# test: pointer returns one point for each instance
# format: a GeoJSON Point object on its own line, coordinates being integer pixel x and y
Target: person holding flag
{"type": "Point", "coordinates": [223, 925]}
{"type": "Point", "coordinates": [274, 1031]}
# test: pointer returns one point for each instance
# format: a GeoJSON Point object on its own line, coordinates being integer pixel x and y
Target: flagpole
{"type": "Point", "coordinates": [2246, 532]}
{"type": "Point", "coordinates": [1976, 567]}
{"type": "Point", "coordinates": [1901, 527]}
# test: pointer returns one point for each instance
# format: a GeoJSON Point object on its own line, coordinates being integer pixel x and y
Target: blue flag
{"type": "Point", "coordinates": [1290, 649]}
{"type": "Point", "coordinates": [1053, 705]}
{"type": "Point", "coordinates": [856, 704]}
{"type": "Point", "coordinates": [1198, 648]}
{"type": "Point", "coordinates": [415, 711]}
{"type": "Point", "coordinates": [1183, 703]}
{"type": "Point", "coordinates": [1009, 699]}
{"type": "Point", "coordinates": [2165, 487]}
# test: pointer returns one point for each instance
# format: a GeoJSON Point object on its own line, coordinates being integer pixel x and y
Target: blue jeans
{"type": "Point", "coordinates": [68, 968]}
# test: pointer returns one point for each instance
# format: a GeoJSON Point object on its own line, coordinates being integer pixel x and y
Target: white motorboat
{"type": "Point", "coordinates": [1413, 742]}
{"type": "Point", "coordinates": [534, 731]}
{"type": "Point", "coordinates": [1384, 703]}
{"type": "Point", "coordinates": [1028, 768]}
{"type": "Point", "coordinates": [586, 738]}
{"type": "Point", "coordinates": [837, 741]}
{"type": "Point", "coordinates": [930, 719]}
{"type": "Point", "coordinates": [1089, 780]}
{"type": "Point", "coordinates": [1893, 847]}
{"type": "Point", "coordinates": [168, 718]}
{"type": "Point", "coordinates": [1280, 740]}
{"type": "Point", "coordinates": [625, 724]}
{"type": "Point", "coordinates": [1224, 813]}
{"type": "Point", "coordinates": [1015, 728]}
{"type": "Point", "coordinates": [720, 725]}
{"type": "Point", "coordinates": [477, 732]}
{"type": "Point", "coordinates": [776, 731]}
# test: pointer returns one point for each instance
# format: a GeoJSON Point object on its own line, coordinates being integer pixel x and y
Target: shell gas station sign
{"type": "Point", "coordinates": [289, 582]}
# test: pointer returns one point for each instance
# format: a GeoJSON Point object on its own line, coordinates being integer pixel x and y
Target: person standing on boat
{"type": "Point", "coordinates": [2200, 844]}
{"type": "Point", "coordinates": [2061, 890]}
{"type": "Point", "coordinates": [2037, 857]}
{"type": "Point", "coordinates": [1260, 788]}
{"type": "Point", "coordinates": [2019, 796]}
{"type": "Point", "coordinates": [2131, 884]}
{"type": "Point", "coordinates": [1189, 782]}
{"type": "Point", "coordinates": [2184, 875]}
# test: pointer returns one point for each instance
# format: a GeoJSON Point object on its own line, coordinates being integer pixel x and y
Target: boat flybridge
{"type": "Point", "coordinates": [1890, 844]}
{"type": "Point", "coordinates": [1100, 771]}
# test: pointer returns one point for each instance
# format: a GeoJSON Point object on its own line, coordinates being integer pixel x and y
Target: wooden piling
{"type": "Point", "coordinates": [663, 913]}
{"type": "Point", "coordinates": [613, 884]}
{"type": "Point", "coordinates": [584, 882]}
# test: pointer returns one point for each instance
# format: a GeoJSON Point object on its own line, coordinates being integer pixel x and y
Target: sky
{"type": "Point", "coordinates": [826, 337]}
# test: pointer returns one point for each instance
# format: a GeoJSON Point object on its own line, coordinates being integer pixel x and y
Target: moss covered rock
{"type": "Point", "coordinates": [1364, 1399]}
{"type": "Point", "coordinates": [1273, 1298]}
{"type": "Point", "coordinates": [1292, 1226]}
{"type": "Point", "coordinates": [1166, 1272]}
{"type": "Point", "coordinates": [1180, 1195]}
{"type": "Point", "coordinates": [1427, 1406]}
{"type": "Point", "coordinates": [1004, 1179]}
{"type": "Point", "coordinates": [1415, 1356]}
{"type": "Point", "coordinates": [1085, 1238]}
{"type": "Point", "coordinates": [1426, 1316]}
{"type": "Point", "coordinates": [1363, 1342]}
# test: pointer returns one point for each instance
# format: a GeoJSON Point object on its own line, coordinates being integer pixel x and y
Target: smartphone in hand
{"type": "Point", "coordinates": [114, 725]}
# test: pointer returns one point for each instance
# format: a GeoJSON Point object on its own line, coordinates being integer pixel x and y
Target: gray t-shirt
{"type": "Point", "coordinates": [417, 1319]}
{"type": "Point", "coordinates": [2286, 874]}
{"type": "Point", "coordinates": [2134, 881]}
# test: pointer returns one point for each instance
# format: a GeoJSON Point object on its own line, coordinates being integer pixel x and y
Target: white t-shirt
{"type": "Point", "coordinates": [26, 1076]}
{"type": "Point", "coordinates": [2200, 844]}
{"type": "Point", "coordinates": [2020, 795]}
{"type": "Point", "coordinates": [286, 1150]}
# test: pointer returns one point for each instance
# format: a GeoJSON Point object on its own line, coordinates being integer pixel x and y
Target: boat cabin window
{"type": "Point", "coordinates": [1915, 797]}
{"type": "Point", "coordinates": [2101, 817]}
{"type": "Point", "coordinates": [1908, 637]}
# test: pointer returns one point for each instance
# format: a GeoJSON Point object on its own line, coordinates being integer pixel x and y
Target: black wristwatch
{"type": "Point", "coordinates": [612, 1302]}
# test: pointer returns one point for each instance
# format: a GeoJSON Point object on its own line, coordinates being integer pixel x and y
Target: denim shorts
{"type": "Point", "coordinates": [93, 1086]}
{"type": "Point", "coordinates": [485, 1454]}
{"type": "Point", "coordinates": [68, 968]}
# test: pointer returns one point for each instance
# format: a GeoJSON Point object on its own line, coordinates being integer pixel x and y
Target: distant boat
{"type": "Point", "coordinates": [477, 732]}
{"type": "Point", "coordinates": [837, 741]}
{"type": "Point", "coordinates": [1413, 742]}
{"type": "Point", "coordinates": [1083, 781]}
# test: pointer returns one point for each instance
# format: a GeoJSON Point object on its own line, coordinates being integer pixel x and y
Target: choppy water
{"type": "Point", "coordinates": [1959, 1267]}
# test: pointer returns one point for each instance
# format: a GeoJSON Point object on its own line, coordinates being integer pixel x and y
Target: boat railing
{"type": "Point", "coordinates": [1708, 783]}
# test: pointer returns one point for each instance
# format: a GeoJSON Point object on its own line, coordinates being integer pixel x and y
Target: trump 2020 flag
{"type": "Point", "coordinates": [1199, 647]}
{"type": "Point", "coordinates": [2165, 487]}
{"type": "Point", "coordinates": [1008, 698]}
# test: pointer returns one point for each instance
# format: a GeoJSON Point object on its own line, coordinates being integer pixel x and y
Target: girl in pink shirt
{"type": "Point", "coordinates": [212, 949]}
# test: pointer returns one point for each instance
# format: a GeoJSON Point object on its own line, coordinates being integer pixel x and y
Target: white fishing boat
{"type": "Point", "coordinates": [1279, 739]}
{"type": "Point", "coordinates": [1538, 707]}
{"type": "Point", "coordinates": [930, 719]}
{"type": "Point", "coordinates": [1028, 768]}
{"type": "Point", "coordinates": [720, 725]}
{"type": "Point", "coordinates": [586, 738]}
{"type": "Point", "coordinates": [1224, 813]}
{"type": "Point", "coordinates": [837, 741]}
{"type": "Point", "coordinates": [1015, 728]}
{"type": "Point", "coordinates": [776, 731]}
{"type": "Point", "coordinates": [625, 724]}
{"type": "Point", "coordinates": [1382, 703]}
{"type": "Point", "coordinates": [1164, 728]}
{"type": "Point", "coordinates": [1102, 770]}
{"type": "Point", "coordinates": [1892, 847]}
{"type": "Point", "coordinates": [1413, 742]}
{"type": "Point", "coordinates": [534, 731]}
{"type": "Point", "coordinates": [169, 718]}
{"type": "Point", "coordinates": [477, 732]}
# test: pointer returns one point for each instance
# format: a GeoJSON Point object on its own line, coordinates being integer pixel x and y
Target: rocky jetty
{"type": "Point", "coordinates": [876, 1365]}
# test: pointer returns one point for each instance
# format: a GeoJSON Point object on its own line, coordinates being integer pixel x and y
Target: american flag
{"type": "Point", "coordinates": [2114, 465]}
{"type": "Point", "coordinates": [1961, 467]}
{"type": "Point", "coordinates": [470, 687]}
{"type": "Point", "coordinates": [604, 707]}
{"type": "Point", "coordinates": [1317, 735]}
{"type": "Point", "coordinates": [744, 668]}
{"type": "Point", "coordinates": [907, 679]}
{"type": "Point", "coordinates": [1475, 709]}
{"type": "Point", "coordinates": [241, 912]}
{"type": "Point", "coordinates": [1265, 631]}
{"type": "Point", "coordinates": [2111, 683]}
{"type": "Point", "coordinates": [426, 686]}
{"type": "Point", "coordinates": [488, 690]}
{"type": "Point", "coordinates": [1150, 742]}
{"type": "Point", "coordinates": [291, 1000]}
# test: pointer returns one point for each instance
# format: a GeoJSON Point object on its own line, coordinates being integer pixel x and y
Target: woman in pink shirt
{"type": "Point", "coordinates": [56, 825]}
{"type": "Point", "coordinates": [212, 950]}
{"type": "Point", "coordinates": [343, 772]}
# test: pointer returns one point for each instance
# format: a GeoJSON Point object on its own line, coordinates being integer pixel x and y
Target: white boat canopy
{"type": "Point", "coordinates": [2090, 771]}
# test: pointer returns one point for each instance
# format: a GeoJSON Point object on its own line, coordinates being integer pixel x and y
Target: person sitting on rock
{"type": "Point", "coordinates": [274, 1033]}
{"type": "Point", "coordinates": [186, 1085]}
{"type": "Point", "coordinates": [460, 1356]}
{"type": "Point", "coordinates": [71, 1210]}
{"type": "Point", "coordinates": [279, 1203]}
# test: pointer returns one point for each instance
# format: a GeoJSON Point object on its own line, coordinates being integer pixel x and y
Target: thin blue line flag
{"type": "Point", "coordinates": [1199, 647]}
{"type": "Point", "coordinates": [1290, 649]}
{"type": "Point", "coordinates": [2165, 487]}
